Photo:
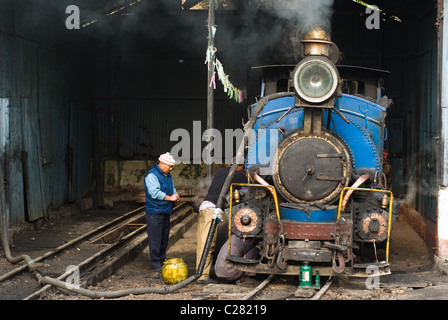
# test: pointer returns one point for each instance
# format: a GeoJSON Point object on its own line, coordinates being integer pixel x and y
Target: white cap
{"type": "Point", "coordinates": [167, 158]}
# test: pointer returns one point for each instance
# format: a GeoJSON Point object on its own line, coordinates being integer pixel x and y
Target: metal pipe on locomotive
{"type": "Point", "coordinates": [322, 195]}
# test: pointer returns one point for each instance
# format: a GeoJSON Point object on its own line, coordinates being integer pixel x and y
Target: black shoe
{"type": "Point", "coordinates": [156, 274]}
{"type": "Point", "coordinates": [208, 281]}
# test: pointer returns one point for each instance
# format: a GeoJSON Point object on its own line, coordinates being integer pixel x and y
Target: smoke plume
{"type": "Point", "coordinates": [306, 14]}
{"type": "Point", "coordinates": [270, 32]}
{"type": "Point", "coordinates": [300, 17]}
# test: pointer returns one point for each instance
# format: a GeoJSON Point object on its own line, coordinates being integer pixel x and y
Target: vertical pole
{"type": "Point", "coordinates": [210, 92]}
{"type": "Point", "coordinates": [99, 187]}
{"type": "Point", "coordinates": [442, 213]}
{"type": "Point", "coordinates": [4, 137]}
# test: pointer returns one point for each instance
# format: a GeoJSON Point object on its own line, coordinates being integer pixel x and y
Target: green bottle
{"type": "Point", "coordinates": [317, 279]}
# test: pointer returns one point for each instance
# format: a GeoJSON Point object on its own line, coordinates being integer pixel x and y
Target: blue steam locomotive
{"type": "Point", "coordinates": [318, 193]}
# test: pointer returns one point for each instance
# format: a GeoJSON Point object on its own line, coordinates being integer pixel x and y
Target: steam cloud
{"type": "Point", "coordinates": [270, 33]}
{"type": "Point", "coordinates": [301, 16]}
{"type": "Point", "coordinates": [307, 14]}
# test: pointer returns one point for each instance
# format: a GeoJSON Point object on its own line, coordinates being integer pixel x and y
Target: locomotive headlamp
{"type": "Point", "coordinates": [315, 79]}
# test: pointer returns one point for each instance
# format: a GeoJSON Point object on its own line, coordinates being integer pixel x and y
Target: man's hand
{"type": "Point", "coordinates": [174, 197]}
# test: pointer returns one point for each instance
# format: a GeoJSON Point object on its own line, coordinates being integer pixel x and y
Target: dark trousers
{"type": "Point", "coordinates": [158, 228]}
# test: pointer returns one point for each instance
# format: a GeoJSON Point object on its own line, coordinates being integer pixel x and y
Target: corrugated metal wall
{"type": "Point", "coordinates": [420, 96]}
{"type": "Point", "coordinates": [47, 160]}
{"type": "Point", "coordinates": [64, 125]}
{"type": "Point", "coordinates": [141, 100]}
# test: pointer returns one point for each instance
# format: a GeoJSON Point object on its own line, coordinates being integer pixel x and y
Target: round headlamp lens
{"type": "Point", "coordinates": [315, 80]}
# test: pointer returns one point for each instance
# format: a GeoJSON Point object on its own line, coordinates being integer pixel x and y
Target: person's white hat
{"type": "Point", "coordinates": [167, 158]}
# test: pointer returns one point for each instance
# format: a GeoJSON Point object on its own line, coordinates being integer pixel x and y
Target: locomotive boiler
{"type": "Point", "coordinates": [317, 194]}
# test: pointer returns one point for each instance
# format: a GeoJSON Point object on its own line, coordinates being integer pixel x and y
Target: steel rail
{"type": "Point", "coordinates": [93, 260]}
{"type": "Point", "coordinates": [101, 229]}
{"type": "Point", "coordinates": [112, 254]}
{"type": "Point", "coordinates": [263, 285]}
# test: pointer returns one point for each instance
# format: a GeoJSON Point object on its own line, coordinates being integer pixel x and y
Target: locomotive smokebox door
{"type": "Point", "coordinates": [312, 168]}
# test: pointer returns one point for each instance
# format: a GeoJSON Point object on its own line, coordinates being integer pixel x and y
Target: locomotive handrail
{"type": "Point", "coordinates": [390, 211]}
{"type": "Point", "coordinates": [270, 187]}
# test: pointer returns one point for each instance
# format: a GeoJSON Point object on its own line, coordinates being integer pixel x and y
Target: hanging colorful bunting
{"type": "Point", "coordinates": [393, 17]}
{"type": "Point", "coordinates": [229, 88]}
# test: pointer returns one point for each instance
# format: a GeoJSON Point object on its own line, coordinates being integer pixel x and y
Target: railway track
{"type": "Point", "coordinates": [105, 249]}
{"type": "Point", "coordinates": [271, 288]}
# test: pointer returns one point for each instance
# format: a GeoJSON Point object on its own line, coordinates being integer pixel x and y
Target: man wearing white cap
{"type": "Point", "coordinates": [160, 197]}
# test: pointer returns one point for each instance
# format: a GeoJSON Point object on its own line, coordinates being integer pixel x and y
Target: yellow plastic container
{"type": "Point", "coordinates": [174, 270]}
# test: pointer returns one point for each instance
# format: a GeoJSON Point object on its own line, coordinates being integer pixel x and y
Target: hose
{"type": "Point", "coordinates": [357, 183]}
{"type": "Point", "coordinates": [260, 180]}
{"type": "Point", "coordinates": [30, 262]}
{"type": "Point", "coordinates": [208, 243]}
{"type": "Point", "coordinates": [5, 242]}
{"type": "Point", "coordinates": [42, 278]}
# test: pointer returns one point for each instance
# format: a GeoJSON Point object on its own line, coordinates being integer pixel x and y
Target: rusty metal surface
{"type": "Point", "coordinates": [33, 180]}
{"type": "Point", "coordinates": [245, 220]}
{"type": "Point", "coordinates": [310, 255]}
{"type": "Point", "coordinates": [311, 231]}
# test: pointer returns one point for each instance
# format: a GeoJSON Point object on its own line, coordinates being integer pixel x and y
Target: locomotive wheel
{"type": "Point", "coordinates": [312, 167]}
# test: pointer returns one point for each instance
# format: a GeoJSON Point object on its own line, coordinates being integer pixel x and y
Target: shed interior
{"type": "Point", "coordinates": [86, 111]}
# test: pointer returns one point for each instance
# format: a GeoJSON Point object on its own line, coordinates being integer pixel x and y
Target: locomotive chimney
{"type": "Point", "coordinates": [316, 42]}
